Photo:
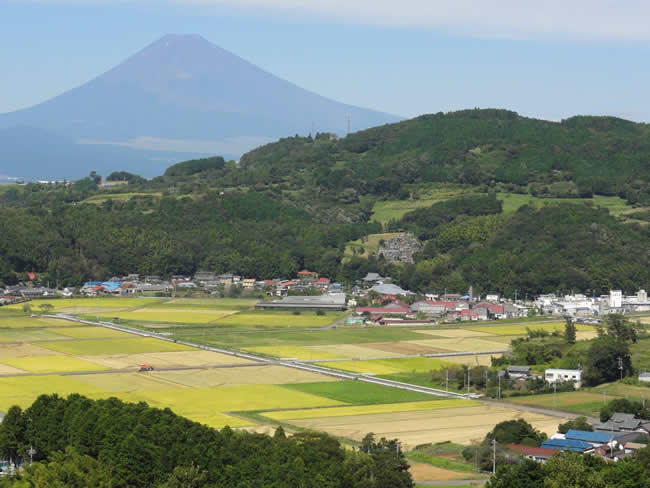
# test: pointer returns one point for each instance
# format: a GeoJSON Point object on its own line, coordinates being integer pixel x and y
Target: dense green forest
{"type": "Point", "coordinates": [295, 204]}
{"type": "Point", "coordinates": [80, 442]}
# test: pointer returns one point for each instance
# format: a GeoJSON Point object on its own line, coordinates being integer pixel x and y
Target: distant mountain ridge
{"type": "Point", "coordinates": [181, 92]}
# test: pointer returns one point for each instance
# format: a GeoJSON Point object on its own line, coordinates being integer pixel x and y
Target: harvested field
{"type": "Point", "coordinates": [585, 335]}
{"type": "Point", "coordinates": [426, 472]}
{"type": "Point", "coordinates": [298, 352]}
{"type": "Point", "coordinates": [5, 369]}
{"type": "Point", "coordinates": [362, 410]}
{"type": "Point", "coordinates": [51, 364]}
{"type": "Point", "coordinates": [353, 351]}
{"type": "Point", "coordinates": [461, 426]}
{"type": "Point", "coordinates": [98, 347]}
{"type": "Point", "coordinates": [257, 375]}
{"type": "Point", "coordinates": [452, 333]}
{"type": "Point", "coordinates": [195, 358]}
{"type": "Point", "coordinates": [22, 349]}
{"type": "Point", "coordinates": [475, 360]}
{"type": "Point", "coordinates": [463, 344]}
{"type": "Point", "coordinates": [91, 333]}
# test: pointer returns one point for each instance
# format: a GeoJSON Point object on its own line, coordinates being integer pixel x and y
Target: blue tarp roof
{"type": "Point", "coordinates": [566, 445]}
{"type": "Point", "coordinates": [595, 437]}
{"type": "Point", "coordinates": [110, 285]}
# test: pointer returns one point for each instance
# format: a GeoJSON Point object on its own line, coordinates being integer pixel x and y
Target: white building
{"type": "Point", "coordinates": [615, 299]}
{"type": "Point", "coordinates": [562, 375]}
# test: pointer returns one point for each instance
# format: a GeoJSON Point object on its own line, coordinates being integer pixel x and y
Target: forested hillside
{"type": "Point", "coordinates": [107, 443]}
{"type": "Point", "coordinates": [578, 156]}
{"type": "Point", "coordinates": [296, 204]}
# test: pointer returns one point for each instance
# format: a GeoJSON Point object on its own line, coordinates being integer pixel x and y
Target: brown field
{"type": "Point", "coordinates": [404, 348]}
{"type": "Point", "coordinates": [452, 333]}
{"type": "Point", "coordinates": [461, 425]}
{"type": "Point", "coordinates": [475, 360]}
{"type": "Point", "coordinates": [257, 375]}
{"type": "Point", "coordinates": [583, 335]}
{"type": "Point", "coordinates": [23, 349]}
{"type": "Point", "coordinates": [6, 369]}
{"type": "Point", "coordinates": [165, 359]}
{"type": "Point", "coordinates": [352, 351]}
{"type": "Point", "coordinates": [426, 472]}
{"type": "Point", "coordinates": [462, 344]}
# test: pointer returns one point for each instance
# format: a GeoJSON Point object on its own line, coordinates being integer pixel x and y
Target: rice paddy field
{"type": "Point", "coordinates": [46, 355]}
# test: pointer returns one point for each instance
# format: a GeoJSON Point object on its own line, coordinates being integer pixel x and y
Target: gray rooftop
{"type": "Point", "coordinates": [390, 289]}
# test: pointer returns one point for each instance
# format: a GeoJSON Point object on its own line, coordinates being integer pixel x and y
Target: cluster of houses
{"type": "Point", "coordinates": [613, 440]}
{"type": "Point", "coordinates": [306, 282]}
{"type": "Point", "coordinates": [579, 305]}
{"type": "Point", "coordinates": [390, 307]}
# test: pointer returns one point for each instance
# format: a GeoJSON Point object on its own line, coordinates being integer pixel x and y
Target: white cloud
{"type": "Point", "coordinates": [519, 19]}
{"type": "Point", "coordinates": [502, 19]}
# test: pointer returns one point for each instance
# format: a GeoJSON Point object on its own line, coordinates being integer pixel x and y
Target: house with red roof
{"type": "Point", "coordinates": [539, 454]}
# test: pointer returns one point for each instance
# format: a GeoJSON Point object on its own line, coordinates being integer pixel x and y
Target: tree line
{"type": "Point", "coordinates": [78, 442]}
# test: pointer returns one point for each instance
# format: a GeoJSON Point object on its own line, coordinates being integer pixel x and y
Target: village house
{"type": "Point", "coordinates": [563, 375]}
{"type": "Point", "coordinates": [539, 454]}
{"type": "Point", "coordinates": [624, 422]}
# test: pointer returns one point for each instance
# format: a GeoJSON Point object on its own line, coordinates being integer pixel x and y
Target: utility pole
{"type": "Point", "coordinates": [604, 397]}
{"type": "Point", "coordinates": [499, 392]}
{"type": "Point", "coordinates": [468, 380]}
{"type": "Point", "coordinates": [486, 381]}
{"type": "Point", "coordinates": [555, 394]}
{"type": "Point", "coordinates": [494, 456]}
{"type": "Point", "coordinates": [447, 381]}
{"type": "Point", "coordinates": [31, 453]}
{"type": "Point", "coordinates": [620, 366]}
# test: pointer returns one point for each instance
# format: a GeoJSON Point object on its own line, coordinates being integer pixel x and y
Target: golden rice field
{"type": "Point", "coordinates": [521, 329]}
{"type": "Point", "coordinates": [95, 347]}
{"type": "Point", "coordinates": [279, 319]}
{"type": "Point", "coordinates": [369, 409]}
{"type": "Point", "coordinates": [306, 353]}
{"type": "Point", "coordinates": [26, 322]}
{"type": "Point", "coordinates": [453, 333]}
{"type": "Point", "coordinates": [91, 333]}
{"type": "Point", "coordinates": [99, 303]}
{"type": "Point", "coordinates": [192, 358]}
{"type": "Point", "coordinates": [51, 364]}
{"type": "Point", "coordinates": [179, 316]}
{"type": "Point", "coordinates": [388, 366]}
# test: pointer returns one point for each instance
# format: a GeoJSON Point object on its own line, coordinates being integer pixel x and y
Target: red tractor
{"type": "Point", "coordinates": [146, 367]}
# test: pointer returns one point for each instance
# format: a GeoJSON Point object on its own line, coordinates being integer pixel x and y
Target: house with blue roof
{"type": "Point", "coordinates": [567, 445]}
{"type": "Point", "coordinates": [594, 438]}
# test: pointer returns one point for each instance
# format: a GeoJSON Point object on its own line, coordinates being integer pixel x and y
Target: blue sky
{"type": "Point", "coordinates": [407, 58]}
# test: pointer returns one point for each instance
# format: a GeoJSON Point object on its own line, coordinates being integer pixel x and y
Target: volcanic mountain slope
{"type": "Point", "coordinates": [184, 94]}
